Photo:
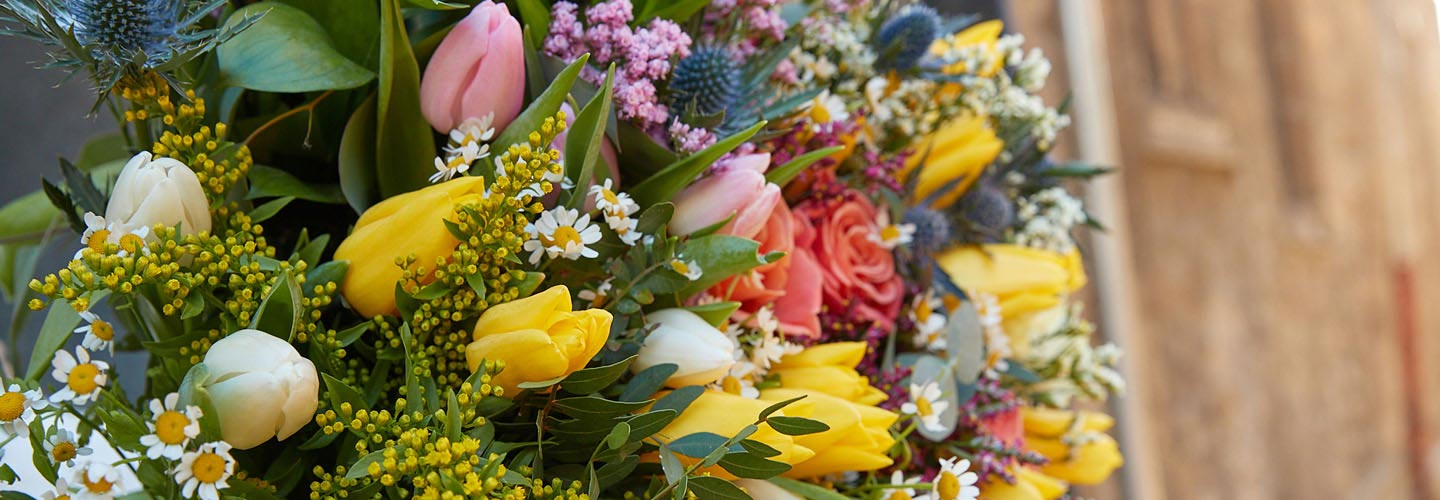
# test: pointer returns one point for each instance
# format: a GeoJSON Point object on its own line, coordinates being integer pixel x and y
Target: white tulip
{"type": "Point", "coordinates": [703, 353]}
{"type": "Point", "coordinates": [261, 388]}
{"type": "Point", "coordinates": [153, 191]}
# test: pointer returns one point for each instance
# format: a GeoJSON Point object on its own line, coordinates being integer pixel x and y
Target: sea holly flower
{"type": "Point", "coordinates": [171, 428]}
{"type": "Point", "coordinates": [96, 480]}
{"type": "Point", "coordinates": [203, 473]}
{"type": "Point", "coordinates": [562, 233]}
{"type": "Point", "coordinates": [926, 405]}
{"type": "Point", "coordinates": [17, 410]}
{"type": "Point", "coordinates": [99, 334]}
{"type": "Point", "coordinates": [82, 376]}
{"type": "Point", "coordinates": [63, 448]}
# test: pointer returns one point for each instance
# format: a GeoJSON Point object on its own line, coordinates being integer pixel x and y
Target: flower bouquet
{"type": "Point", "coordinates": [631, 249]}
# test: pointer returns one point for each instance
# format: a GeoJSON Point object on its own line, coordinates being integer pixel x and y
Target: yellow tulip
{"type": "Point", "coordinates": [1031, 284]}
{"type": "Point", "coordinates": [858, 438]}
{"type": "Point", "coordinates": [1074, 441]}
{"type": "Point", "coordinates": [983, 33]}
{"type": "Point", "coordinates": [538, 337]}
{"type": "Point", "coordinates": [960, 150]}
{"type": "Point", "coordinates": [411, 223]}
{"type": "Point", "coordinates": [1029, 485]}
{"type": "Point", "coordinates": [830, 369]}
{"type": "Point", "coordinates": [725, 414]}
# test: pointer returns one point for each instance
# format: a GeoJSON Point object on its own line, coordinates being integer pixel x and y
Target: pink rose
{"type": "Point", "coordinates": [856, 273]}
{"type": "Point", "coordinates": [740, 189]}
{"type": "Point", "coordinates": [479, 68]}
{"type": "Point", "coordinates": [797, 305]}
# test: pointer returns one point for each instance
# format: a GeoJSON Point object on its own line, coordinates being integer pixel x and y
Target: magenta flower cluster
{"type": "Point", "coordinates": [643, 57]}
{"type": "Point", "coordinates": [756, 20]}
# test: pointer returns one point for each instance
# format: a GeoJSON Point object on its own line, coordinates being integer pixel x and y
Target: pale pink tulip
{"type": "Point", "coordinates": [478, 69]}
{"type": "Point", "coordinates": [740, 189]}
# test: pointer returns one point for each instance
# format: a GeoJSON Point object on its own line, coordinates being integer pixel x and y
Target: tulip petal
{"type": "Point", "coordinates": [530, 356]}
{"type": "Point", "coordinates": [534, 312]}
{"type": "Point", "coordinates": [248, 409]}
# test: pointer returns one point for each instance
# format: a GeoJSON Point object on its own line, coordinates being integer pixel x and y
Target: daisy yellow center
{"type": "Point", "coordinates": [680, 266]}
{"type": "Point", "coordinates": [948, 486]}
{"type": "Point", "coordinates": [131, 243]}
{"type": "Point", "coordinates": [170, 427]}
{"type": "Point", "coordinates": [12, 405]}
{"type": "Point", "coordinates": [63, 497]}
{"type": "Point", "coordinates": [900, 495]}
{"type": "Point", "coordinates": [820, 113]}
{"type": "Point", "coordinates": [610, 196]}
{"type": "Point", "coordinates": [97, 239]}
{"type": "Point", "coordinates": [731, 385]}
{"type": "Point", "coordinates": [564, 236]}
{"type": "Point", "coordinates": [923, 407]}
{"type": "Point", "coordinates": [101, 486]}
{"type": "Point", "coordinates": [890, 233]}
{"type": "Point", "coordinates": [102, 330]}
{"type": "Point", "coordinates": [208, 467]}
{"type": "Point", "coordinates": [63, 451]}
{"type": "Point", "coordinates": [922, 314]}
{"type": "Point", "coordinates": [82, 378]}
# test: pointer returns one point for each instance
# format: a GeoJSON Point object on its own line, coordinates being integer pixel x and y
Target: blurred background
{"type": "Point", "coordinates": [1269, 259]}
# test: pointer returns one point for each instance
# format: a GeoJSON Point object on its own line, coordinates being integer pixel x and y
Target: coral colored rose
{"type": "Point", "coordinates": [479, 68]}
{"type": "Point", "coordinates": [739, 190]}
{"type": "Point", "coordinates": [856, 273]}
{"type": "Point", "coordinates": [772, 283]}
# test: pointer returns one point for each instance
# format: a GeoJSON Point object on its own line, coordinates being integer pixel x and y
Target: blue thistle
{"type": "Point", "coordinates": [988, 209]}
{"type": "Point", "coordinates": [127, 26]}
{"type": "Point", "coordinates": [932, 229]}
{"type": "Point", "coordinates": [709, 77]}
{"type": "Point", "coordinates": [905, 38]}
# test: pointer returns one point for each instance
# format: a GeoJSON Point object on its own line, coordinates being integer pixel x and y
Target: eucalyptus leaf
{"type": "Point", "coordinates": [591, 380]}
{"type": "Point", "coordinates": [965, 342]}
{"type": "Point", "coordinates": [714, 488]}
{"type": "Point", "coordinates": [285, 50]}
{"type": "Point", "coordinates": [752, 467]}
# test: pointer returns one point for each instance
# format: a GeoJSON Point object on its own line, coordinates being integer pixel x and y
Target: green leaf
{"type": "Point", "coordinates": [279, 312]}
{"type": "Point", "coordinates": [351, 26]}
{"type": "Point", "coordinates": [752, 467]}
{"type": "Point", "coordinates": [679, 399]}
{"type": "Point", "coordinates": [670, 463]}
{"type": "Point", "coordinates": [698, 445]}
{"type": "Point", "coordinates": [796, 426]}
{"type": "Point", "coordinates": [268, 182]}
{"type": "Point", "coordinates": [404, 144]}
{"type": "Point", "coordinates": [339, 393]}
{"type": "Point", "coordinates": [362, 466]}
{"type": "Point", "coordinates": [25, 219]}
{"type": "Point", "coordinates": [193, 392]}
{"type": "Point", "coordinates": [584, 138]}
{"type": "Point", "coordinates": [544, 106]}
{"type": "Point", "coordinates": [770, 410]}
{"type": "Point", "coordinates": [537, 20]}
{"type": "Point", "coordinates": [452, 415]}
{"type": "Point", "coordinates": [264, 212]}
{"type": "Point", "coordinates": [435, 4]}
{"type": "Point", "coordinates": [595, 407]}
{"type": "Point", "coordinates": [783, 174]}
{"type": "Point", "coordinates": [618, 436]}
{"type": "Point", "coordinates": [758, 448]}
{"type": "Point", "coordinates": [82, 188]}
{"type": "Point", "coordinates": [714, 488]}
{"type": "Point", "coordinates": [720, 256]}
{"type": "Point", "coordinates": [102, 149]}
{"type": "Point", "coordinates": [807, 490]}
{"type": "Point", "coordinates": [285, 50]}
{"type": "Point", "coordinates": [674, 10]}
{"type": "Point", "coordinates": [59, 324]}
{"type": "Point", "coordinates": [648, 381]}
{"type": "Point", "coordinates": [670, 180]}
{"type": "Point", "coordinates": [655, 217]}
{"type": "Point", "coordinates": [350, 335]}
{"type": "Point", "coordinates": [594, 379]}
{"type": "Point", "coordinates": [647, 424]}
{"type": "Point", "coordinates": [715, 313]}
{"type": "Point", "coordinates": [614, 472]}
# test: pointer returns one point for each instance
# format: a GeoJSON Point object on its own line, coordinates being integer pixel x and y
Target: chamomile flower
{"type": "Point", "coordinates": [926, 405]}
{"type": "Point", "coordinates": [826, 108]}
{"type": "Point", "coordinates": [611, 202]}
{"type": "Point", "coordinates": [96, 481]}
{"type": "Point", "coordinates": [472, 130]}
{"type": "Point", "coordinates": [99, 334]}
{"type": "Point", "coordinates": [457, 164]}
{"type": "Point", "coordinates": [61, 491]}
{"type": "Point", "coordinates": [890, 236]}
{"type": "Point", "coordinates": [94, 225]}
{"type": "Point", "coordinates": [625, 228]}
{"type": "Point", "coordinates": [954, 482]}
{"type": "Point", "coordinates": [687, 268]}
{"type": "Point", "coordinates": [17, 410]}
{"type": "Point", "coordinates": [132, 241]}
{"type": "Point", "coordinates": [562, 232]}
{"type": "Point", "coordinates": [83, 377]}
{"type": "Point", "coordinates": [928, 314]}
{"type": "Point", "coordinates": [63, 448]}
{"type": "Point", "coordinates": [598, 296]}
{"type": "Point", "coordinates": [171, 428]}
{"type": "Point", "coordinates": [205, 471]}
{"type": "Point", "coordinates": [898, 491]}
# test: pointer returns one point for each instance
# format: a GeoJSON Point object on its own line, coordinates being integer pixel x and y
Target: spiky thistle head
{"type": "Point", "coordinates": [905, 38]}
{"type": "Point", "coordinates": [932, 229]}
{"type": "Point", "coordinates": [709, 77]}
{"type": "Point", "coordinates": [126, 26]}
{"type": "Point", "coordinates": [988, 209]}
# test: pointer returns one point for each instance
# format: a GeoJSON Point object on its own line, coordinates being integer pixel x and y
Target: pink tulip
{"type": "Point", "coordinates": [740, 189]}
{"type": "Point", "coordinates": [478, 69]}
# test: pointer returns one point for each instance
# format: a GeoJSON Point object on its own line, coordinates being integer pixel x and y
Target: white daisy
{"type": "Point", "coordinates": [205, 470]}
{"type": "Point", "coordinates": [132, 241]}
{"type": "Point", "coordinates": [614, 204]}
{"type": "Point", "coordinates": [562, 232]}
{"type": "Point", "coordinates": [687, 268]}
{"type": "Point", "coordinates": [171, 427]}
{"type": "Point", "coordinates": [890, 236]}
{"type": "Point", "coordinates": [96, 481]}
{"type": "Point", "coordinates": [598, 296]}
{"type": "Point", "coordinates": [472, 130]}
{"type": "Point", "coordinates": [17, 410]}
{"type": "Point", "coordinates": [61, 491]}
{"type": "Point", "coordinates": [99, 334]}
{"type": "Point", "coordinates": [94, 224]}
{"type": "Point", "coordinates": [456, 165]}
{"type": "Point", "coordinates": [83, 377]}
{"type": "Point", "coordinates": [63, 447]}
{"type": "Point", "coordinates": [898, 492]}
{"type": "Point", "coordinates": [826, 108]}
{"type": "Point", "coordinates": [926, 405]}
{"type": "Point", "coordinates": [955, 482]}
{"type": "Point", "coordinates": [928, 314]}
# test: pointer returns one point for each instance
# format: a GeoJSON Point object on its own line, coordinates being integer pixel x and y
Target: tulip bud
{"type": "Point", "coordinates": [739, 190]}
{"type": "Point", "coordinates": [154, 191]}
{"type": "Point", "coordinates": [261, 388]}
{"type": "Point", "coordinates": [479, 68]}
{"type": "Point", "coordinates": [683, 338]}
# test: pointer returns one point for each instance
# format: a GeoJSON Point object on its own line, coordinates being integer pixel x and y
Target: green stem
{"type": "Point", "coordinates": [144, 139]}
